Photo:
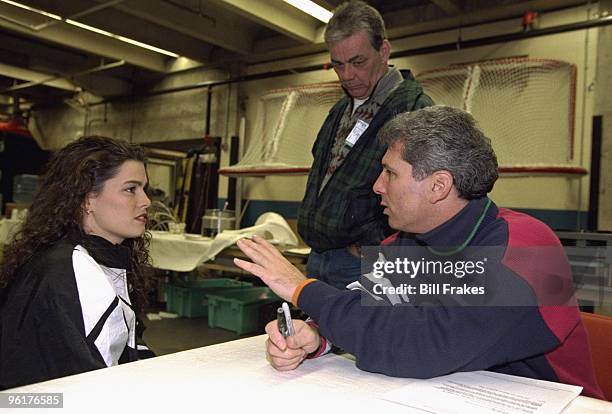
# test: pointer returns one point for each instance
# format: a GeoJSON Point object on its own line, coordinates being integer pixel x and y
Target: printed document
{"type": "Point", "coordinates": [483, 392]}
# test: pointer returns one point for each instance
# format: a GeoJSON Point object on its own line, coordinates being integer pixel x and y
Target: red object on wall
{"type": "Point", "coordinates": [15, 126]}
{"type": "Point", "coordinates": [529, 19]}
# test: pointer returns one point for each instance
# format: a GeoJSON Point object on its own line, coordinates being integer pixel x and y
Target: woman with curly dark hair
{"type": "Point", "coordinates": [77, 270]}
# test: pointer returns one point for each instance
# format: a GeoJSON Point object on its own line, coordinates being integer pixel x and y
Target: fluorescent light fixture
{"type": "Point", "coordinates": [311, 8]}
{"type": "Point", "coordinates": [32, 9]}
{"type": "Point", "coordinates": [93, 29]}
{"type": "Point", "coordinates": [121, 38]}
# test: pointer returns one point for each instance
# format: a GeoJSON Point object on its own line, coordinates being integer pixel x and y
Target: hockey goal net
{"type": "Point", "coordinates": [285, 129]}
{"type": "Point", "coordinates": [525, 105]}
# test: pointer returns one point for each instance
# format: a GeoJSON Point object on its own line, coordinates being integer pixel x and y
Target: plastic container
{"type": "Point", "coordinates": [215, 221]}
{"type": "Point", "coordinates": [189, 299]}
{"type": "Point", "coordinates": [238, 310]}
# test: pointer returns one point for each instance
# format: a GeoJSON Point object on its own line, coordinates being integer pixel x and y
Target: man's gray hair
{"type": "Point", "coordinates": [444, 138]}
{"type": "Point", "coordinates": [352, 17]}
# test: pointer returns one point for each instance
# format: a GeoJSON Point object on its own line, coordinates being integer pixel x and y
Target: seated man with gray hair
{"type": "Point", "coordinates": [437, 172]}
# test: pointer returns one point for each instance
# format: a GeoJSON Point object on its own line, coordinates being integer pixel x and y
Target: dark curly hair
{"type": "Point", "coordinates": [80, 168]}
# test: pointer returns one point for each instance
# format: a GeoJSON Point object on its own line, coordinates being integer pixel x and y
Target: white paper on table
{"type": "Point", "coordinates": [270, 226]}
{"type": "Point", "coordinates": [483, 392]}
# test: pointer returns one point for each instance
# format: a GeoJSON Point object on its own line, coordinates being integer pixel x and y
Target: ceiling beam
{"type": "Point", "coordinates": [210, 26]}
{"type": "Point", "coordinates": [36, 77]}
{"type": "Point", "coordinates": [101, 85]}
{"type": "Point", "coordinates": [121, 23]}
{"type": "Point", "coordinates": [23, 21]}
{"type": "Point", "coordinates": [327, 4]}
{"type": "Point", "coordinates": [276, 15]}
{"type": "Point", "coordinates": [21, 50]}
{"type": "Point", "coordinates": [449, 6]}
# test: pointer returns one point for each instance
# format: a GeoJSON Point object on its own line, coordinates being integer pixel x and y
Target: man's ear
{"type": "Point", "coordinates": [385, 50]}
{"type": "Point", "coordinates": [440, 184]}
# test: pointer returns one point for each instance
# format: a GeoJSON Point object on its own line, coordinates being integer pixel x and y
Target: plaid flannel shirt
{"type": "Point", "coordinates": [347, 211]}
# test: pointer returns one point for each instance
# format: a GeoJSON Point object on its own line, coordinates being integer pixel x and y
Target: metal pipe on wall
{"type": "Point", "coordinates": [99, 68]}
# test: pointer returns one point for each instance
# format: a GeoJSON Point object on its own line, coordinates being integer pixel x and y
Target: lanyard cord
{"type": "Point", "coordinates": [469, 238]}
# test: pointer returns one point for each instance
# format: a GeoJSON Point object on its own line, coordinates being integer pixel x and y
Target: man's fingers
{"type": "Point", "coordinates": [282, 365]}
{"type": "Point", "coordinates": [267, 246]}
{"type": "Point", "coordinates": [249, 267]}
{"type": "Point", "coordinates": [259, 250]}
{"type": "Point", "coordinates": [270, 266]}
{"type": "Point", "coordinates": [275, 336]}
{"type": "Point", "coordinates": [294, 342]}
{"type": "Point", "coordinates": [267, 253]}
{"type": "Point", "coordinates": [254, 251]}
{"type": "Point", "coordinates": [286, 357]}
{"type": "Point", "coordinates": [281, 356]}
{"type": "Point", "coordinates": [302, 341]}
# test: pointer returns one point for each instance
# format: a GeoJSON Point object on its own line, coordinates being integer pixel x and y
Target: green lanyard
{"type": "Point", "coordinates": [469, 238]}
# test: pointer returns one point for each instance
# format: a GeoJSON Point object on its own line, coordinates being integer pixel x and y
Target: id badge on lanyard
{"type": "Point", "coordinates": [355, 133]}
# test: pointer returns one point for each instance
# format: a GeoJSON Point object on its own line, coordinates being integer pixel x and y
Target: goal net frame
{"type": "Point", "coordinates": [286, 134]}
{"type": "Point", "coordinates": [467, 89]}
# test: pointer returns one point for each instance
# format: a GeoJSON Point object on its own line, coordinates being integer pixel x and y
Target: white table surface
{"type": "Point", "coordinates": [235, 377]}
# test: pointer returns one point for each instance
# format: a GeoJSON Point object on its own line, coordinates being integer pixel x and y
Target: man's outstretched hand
{"type": "Point", "coordinates": [270, 266]}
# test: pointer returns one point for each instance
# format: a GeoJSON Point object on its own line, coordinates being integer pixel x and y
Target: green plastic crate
{"type": "Point", "coordinates": [238, 310]}
{"type": "Point", "coordinates": [189, 298]}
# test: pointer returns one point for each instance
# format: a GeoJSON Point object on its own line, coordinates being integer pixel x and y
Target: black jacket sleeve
{"type": "Point", "coordinates": [426, 341]}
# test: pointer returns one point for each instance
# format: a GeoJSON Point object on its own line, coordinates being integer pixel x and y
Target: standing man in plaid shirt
{"type": "Point", "coordinates": [340, 212]}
